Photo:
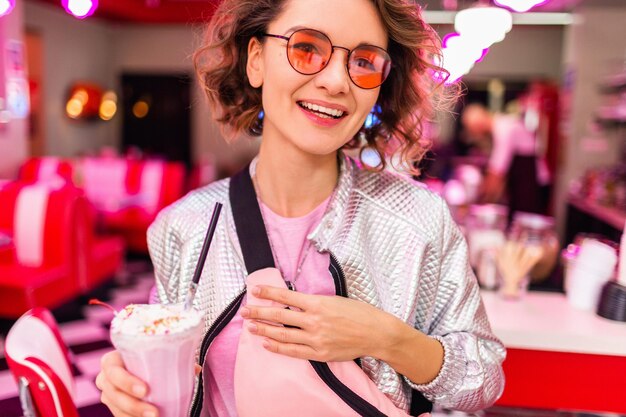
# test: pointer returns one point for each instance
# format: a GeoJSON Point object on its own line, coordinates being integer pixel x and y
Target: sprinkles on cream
{"type": "Point", "coordinates": [154, 319]}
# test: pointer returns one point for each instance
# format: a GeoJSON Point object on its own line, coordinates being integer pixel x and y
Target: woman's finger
{"type": "Point", "coordinates": [114, 372]}
{"type": "Point", "coordinates": [295, 350]}
{"type": "Point", "coordinates": [281, 334]}
{"type": "Point", "coordinates": [283, 296]}
{"type": "Point", "coordinates": [121, 403]}
{"type": "Point", "coordinates": [113, 409]}
{"type": "Point", "coordinates": [275, 314]}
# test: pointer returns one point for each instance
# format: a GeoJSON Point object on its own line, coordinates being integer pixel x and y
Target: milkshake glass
{"type": "Point", "coordinates": [158, 344]}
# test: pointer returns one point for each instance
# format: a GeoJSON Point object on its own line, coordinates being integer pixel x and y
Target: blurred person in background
{"type": "Point", "coordinates": [514, 171]}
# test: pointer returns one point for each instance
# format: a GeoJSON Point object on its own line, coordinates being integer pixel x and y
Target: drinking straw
{"type": "Point", "coordinates": [203, 254]}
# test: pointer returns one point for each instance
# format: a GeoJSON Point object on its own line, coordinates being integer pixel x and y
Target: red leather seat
{"type": "Point", "coordinates": [46, 168]}
{"type": "Point", "coordinates": [53, 255]}
{"type": "Point", "coordinates": [135, 191]}
{"type": "Point", "coordinates": [41, 365]}
{"type": "Point", "coordinates": [104, 254]}
{"type": "Point", "coordinates": [39, 220]}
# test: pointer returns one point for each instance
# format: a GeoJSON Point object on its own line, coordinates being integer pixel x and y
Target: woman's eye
{"type": "Point", "coordinates": [364, 63]}
{"type": "Point", "coordinates": [305, 47]}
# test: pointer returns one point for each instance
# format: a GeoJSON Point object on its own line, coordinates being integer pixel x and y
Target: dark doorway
{"type": "Point", "coordinates": [157, 117]}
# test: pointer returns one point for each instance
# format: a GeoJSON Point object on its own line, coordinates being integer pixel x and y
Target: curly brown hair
{"type": "Point", "coordinates": [406, 100]}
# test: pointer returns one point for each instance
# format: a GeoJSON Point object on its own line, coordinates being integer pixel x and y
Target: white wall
{"type": "Point", "coordinates": [13, 135]}
{"type": "Point", "coordinates": [74, 50]}
{"type": "Point", "coordinates": [525, 52]}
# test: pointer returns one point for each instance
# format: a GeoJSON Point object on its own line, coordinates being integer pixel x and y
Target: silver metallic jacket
{"type": "Point", "coordinates": [400, 251]}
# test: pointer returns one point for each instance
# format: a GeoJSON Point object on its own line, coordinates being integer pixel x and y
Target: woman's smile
{"type": "Point", "coordinates": [323, 113]}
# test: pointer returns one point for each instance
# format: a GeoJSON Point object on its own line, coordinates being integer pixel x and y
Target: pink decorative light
{"type": "Point", "coordinates": [80, 8]}
{"type": "Point", "coordinates": [6, 6]}
{"type": "Point", "coordinates": [520, 6]}
{"type": "Point", "coordinates": [483, 26]}
{"type": "Point", "coordinates": [459, 56]}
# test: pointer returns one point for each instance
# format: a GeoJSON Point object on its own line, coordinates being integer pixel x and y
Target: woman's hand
{"type": "Point", "coordinates": [324, 328]}
{"type": "Point", "coordinates": [121, 391]}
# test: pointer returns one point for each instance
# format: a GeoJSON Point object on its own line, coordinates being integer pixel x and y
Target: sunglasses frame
{"type": "Point", "coordinates": [333, 47]}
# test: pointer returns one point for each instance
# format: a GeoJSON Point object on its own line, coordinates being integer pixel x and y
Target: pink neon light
{"type": "Point", "coordinates": [80, 8]}
{"type": "Point", "coordinates": [6, 6]}
{"type": "Point", "coordinates": [444, 40]}
{"type": "Point", "coordinates": [459, 56]}
{"type": "Point", "coordinates": [483, 55]}
{"type": "Point", "coordinates": [520, 6]}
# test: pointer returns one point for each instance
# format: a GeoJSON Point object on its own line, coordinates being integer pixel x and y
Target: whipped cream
{"type": "Point", "coordinates": [154, 319]}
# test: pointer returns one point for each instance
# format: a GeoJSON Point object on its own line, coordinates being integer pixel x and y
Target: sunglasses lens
{"type": "Point", "coordinates": [369, 66]}
{"type": "Point", "coordinates": [308, 51]}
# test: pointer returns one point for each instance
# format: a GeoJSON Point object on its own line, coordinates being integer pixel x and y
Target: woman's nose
{"type": "Point", "coordinates": [334, 78]}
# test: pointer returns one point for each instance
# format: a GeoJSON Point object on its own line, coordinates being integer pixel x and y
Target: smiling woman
{"type": "Point", "coordinates": [318, 263]}
{"type": "Point", "coordinates": [222, 69]}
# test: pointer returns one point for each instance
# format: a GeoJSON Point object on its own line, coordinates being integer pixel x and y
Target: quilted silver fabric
{"type": "Point", "coordinates": [400, 251]}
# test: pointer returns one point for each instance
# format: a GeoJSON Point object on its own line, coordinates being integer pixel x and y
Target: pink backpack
{"type": "Point", "coordinates": [270, 384]}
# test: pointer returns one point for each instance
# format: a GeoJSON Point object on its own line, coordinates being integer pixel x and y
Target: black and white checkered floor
{"type": "Point", "coordinates": [85, 330]}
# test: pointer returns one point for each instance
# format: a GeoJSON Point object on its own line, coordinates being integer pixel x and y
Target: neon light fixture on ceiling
{"type": "Point", "coordinates": [520, 6]}
{"type": "Point", "coordinates": [6, 6]}
{"type": "Point", "coordinates": [80, 8]}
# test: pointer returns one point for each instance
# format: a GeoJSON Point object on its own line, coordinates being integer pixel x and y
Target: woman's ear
{"type": "Point", "coordinates": [254, 65]}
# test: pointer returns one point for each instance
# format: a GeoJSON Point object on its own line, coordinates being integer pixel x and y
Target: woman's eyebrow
{"type": "Point", "coordinates": [298, 27]}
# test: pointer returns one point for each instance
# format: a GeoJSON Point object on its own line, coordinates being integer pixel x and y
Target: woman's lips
{"type": "Point", "coordinates": [323, 114]}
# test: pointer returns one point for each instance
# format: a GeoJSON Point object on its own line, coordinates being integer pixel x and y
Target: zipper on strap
{"type": "Point", "coordinates": [340, 284]}
{"type": "Point", "coordinates": [340, 278]}
{"type": "Point", "coordinates": [218, 325]}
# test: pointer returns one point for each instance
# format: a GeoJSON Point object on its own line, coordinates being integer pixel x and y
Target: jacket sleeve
{"type": "Point", "coordinates": [164, 246]}
{"type": "Point", "coordinates": [471, 377]}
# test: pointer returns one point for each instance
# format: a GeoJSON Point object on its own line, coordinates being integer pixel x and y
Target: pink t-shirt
{"type": "Point", "coordinates": [290, 245]}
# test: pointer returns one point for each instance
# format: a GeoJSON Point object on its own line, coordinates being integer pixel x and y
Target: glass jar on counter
{"type": "Point", "coordinates": [485, 231]}
{"type": "Point", "coordinates": [530, 253]}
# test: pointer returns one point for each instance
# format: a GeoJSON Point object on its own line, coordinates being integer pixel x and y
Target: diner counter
{"type": "Point", "coordinates": [558, 357]}
{"type": "Point", "coordinates": [546, 321]}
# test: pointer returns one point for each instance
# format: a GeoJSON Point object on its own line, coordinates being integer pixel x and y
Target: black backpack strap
{"type": "Point", "coordinates": [255, 245]}
{"type": "Point", "coordinates": [419, 404]}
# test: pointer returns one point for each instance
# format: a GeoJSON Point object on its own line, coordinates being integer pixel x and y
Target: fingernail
{"type": "Point", "coordinates": [266, 344]}
{"type": "Point", "coordinates": [252, 327]}
{"type": "Point", "coordinates": [139, 390]}
{"type": "Point", "coordinates": [256, 291]}
{"type": "Point", "coordinates": [148, 414]}
{"type": "Point", "coordinates": [245, 312]}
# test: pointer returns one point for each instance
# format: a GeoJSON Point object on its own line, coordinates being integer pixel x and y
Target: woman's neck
{"type": "Point", "coordinates": [291, 182]}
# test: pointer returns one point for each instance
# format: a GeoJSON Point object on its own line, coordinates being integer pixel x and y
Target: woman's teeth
{"type": "Point", "coordinates": [324, 112]}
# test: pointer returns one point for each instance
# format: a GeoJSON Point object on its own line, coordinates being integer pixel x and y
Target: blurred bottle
{"type": "Point", "coordinates": [485, 228]}
{"type": "Point", "coordinates": [538, 231]}
{"type": "Point", "coordinates": [529, 253]}
{"type": "Point", "coordinates": [592, 268]}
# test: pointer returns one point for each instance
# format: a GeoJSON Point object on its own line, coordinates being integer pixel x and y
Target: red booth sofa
{"type": "Point", "coordinates": [128, 194]}
{"type": "Point", "coordinates": [45, 169]}
{"type": "Point", "coordinates": [49, 252]}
